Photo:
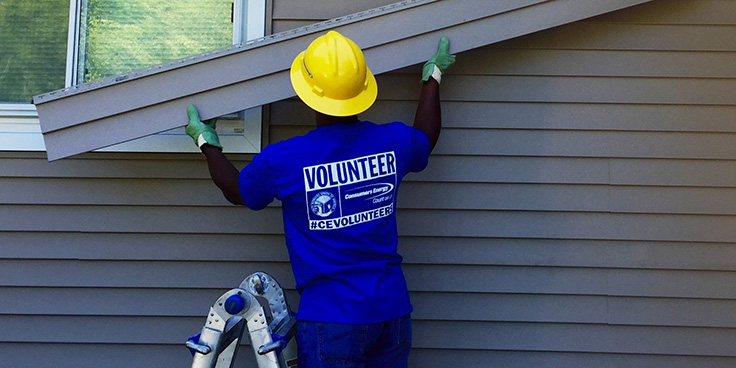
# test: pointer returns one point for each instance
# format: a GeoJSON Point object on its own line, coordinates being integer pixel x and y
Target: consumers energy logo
{"type": "Point", "coordinates": [350, 192]}
{"type": "Point", "coordinates": [369, 192]}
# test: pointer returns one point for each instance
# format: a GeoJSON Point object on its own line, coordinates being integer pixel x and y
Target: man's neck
{"type": "Point", "coordinates": [323, 119]}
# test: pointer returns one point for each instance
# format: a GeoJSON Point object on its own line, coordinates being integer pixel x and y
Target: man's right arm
{"type": "Point", "coordinates": [224, 174]}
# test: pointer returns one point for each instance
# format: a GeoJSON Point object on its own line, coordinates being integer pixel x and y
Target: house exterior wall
{"type": "Point", "coordinates": [578, 211]}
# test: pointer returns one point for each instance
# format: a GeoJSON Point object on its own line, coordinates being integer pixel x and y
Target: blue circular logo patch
{"type": "Point", "coordinates": [323, 204]}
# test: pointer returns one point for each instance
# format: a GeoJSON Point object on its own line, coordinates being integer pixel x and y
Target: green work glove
{"type": "Point", "coordinates": [435, 66]}
{"type": "Point", "coordinates": [202, 132]}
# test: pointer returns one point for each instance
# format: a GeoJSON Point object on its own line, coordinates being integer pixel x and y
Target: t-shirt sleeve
{"type": "Point", "coordinates": [256, 184]}
{"type": "Point", "coordinates": [419, 150]}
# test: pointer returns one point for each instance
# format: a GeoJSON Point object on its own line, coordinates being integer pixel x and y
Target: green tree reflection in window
{"type": "Point", "coordinates": [33, 37]}
{"type": "Point", "coordinates": [123, 35]}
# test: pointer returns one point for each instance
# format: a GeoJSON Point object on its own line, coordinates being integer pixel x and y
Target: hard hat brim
{"type": "Point", "coordinates": [331, 106]}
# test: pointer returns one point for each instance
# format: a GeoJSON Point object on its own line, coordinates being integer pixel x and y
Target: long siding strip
{"type": "Point", "coordinates": [505, 336]}
{"type": "Point", "coordinates": [293, 116]}
{"type": "Point", "coordinates": [218, 84]}
{"type": "Point", "coordinates": [462, 223]}
{"type": "Point", "coordinates": [442, 357]}
{"type": "Point", "coordinates": [172, 356]}
{"type": "Point", "coordinates": [611, 90]}
{"type": "Point", "coordinates": [455, 278]}
{"type": "Point", "coordinates": [413, 194]}
{"type": "Point", "coordinates": [499, 307]}
{"type": "Point", "coordinates": [706, 256]}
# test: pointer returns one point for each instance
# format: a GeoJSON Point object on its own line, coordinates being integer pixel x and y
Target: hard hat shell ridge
{"type": "Point", "coordinates": [331, 76]}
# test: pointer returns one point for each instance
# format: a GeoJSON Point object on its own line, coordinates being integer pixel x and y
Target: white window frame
{"type": "Point", "coordinates": [21, 131]}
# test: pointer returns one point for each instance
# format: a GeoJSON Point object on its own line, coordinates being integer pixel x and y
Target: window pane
{"type": "Point", "coordinates": [33, 37]}
{"type": "Point", "coordinates": [123, 35]}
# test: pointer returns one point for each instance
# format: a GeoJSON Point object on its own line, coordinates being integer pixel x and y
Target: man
{"type": "Point", "coordinates": [338, 186]}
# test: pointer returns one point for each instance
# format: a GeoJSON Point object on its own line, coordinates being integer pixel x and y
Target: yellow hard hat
{"type": "Point", "coordinates": [331, 77]}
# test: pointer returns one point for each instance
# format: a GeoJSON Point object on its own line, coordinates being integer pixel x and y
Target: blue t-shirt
{"type": "Point", "coordinates": [338, 186]}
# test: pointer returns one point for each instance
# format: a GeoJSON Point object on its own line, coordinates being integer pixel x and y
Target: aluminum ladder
{"type": "Point", "coordinates": [258, 305]}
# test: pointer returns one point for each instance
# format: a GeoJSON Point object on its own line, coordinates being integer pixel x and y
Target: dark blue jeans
{"type": "Point", "coordinates": [340, 345]}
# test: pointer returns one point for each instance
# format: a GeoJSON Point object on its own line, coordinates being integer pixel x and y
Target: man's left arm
{"type": "Point", "coordinates": [428, 117]}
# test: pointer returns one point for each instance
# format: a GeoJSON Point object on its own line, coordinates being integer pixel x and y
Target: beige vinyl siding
{"type": "Point", "coordinates": [578, 211]}
{"type": "Point", "coordinates": [114, 259]}
{"type": "Point", "coordinates": [579, 207]}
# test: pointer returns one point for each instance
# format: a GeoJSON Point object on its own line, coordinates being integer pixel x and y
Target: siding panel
{"type": "Point", "coordinates": [512, 359]}
{"type": "Point", "coordinates": [462, 223]}
{"type": "Point", "coordinates": [100, 165]}
{"type": "Point", "coordinates": [157, 219]}
{"type": "Point", "coordinates": [143, 274]}
{"type": "Point", "coordinates": [174, 356]}
{"type": "Point", "coordinates": [687, 12]}
{"type": "Point", "coordinates": [527, 279]}
{"type": "Point", "coordinates": [575, 225]}
{"type": "Point", "coordinates": [570, 89]}
{"type": "Point", "coordinates": [537, 115]}
{"type": "Point", "coordinates": [509, 142]}
{"type": "Point", "coordinates": [417, 250]}
{"type": "Point", "coordinates": [502, 336]}
{"type": "Point", "coordinates": [569, 253]}
{"type": "Point", "coordinates": [705, 173]}
{"type": "Point", "coordinates": [95, 355]}
{"type": "Point", "coordinates": [449, 306]}
{"type": "Point", "coordinates": [599, 63]}
{"type": "Point", "coordinates": [140, 246]}
{"type": "Point", "coordinates": [577, 338]}
{"type": "Point", "coordinates": [219, 85]}
{"type": "Point", "coordinates": [515, 169]}
{"type": "Point", "coordinates": [624, 36]}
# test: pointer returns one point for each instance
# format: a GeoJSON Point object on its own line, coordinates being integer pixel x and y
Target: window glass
{"type": "Point", "coordinates": [40, 53]}
{"type": "Point", "coordinates": [33, 37]}
{"type": "Point", "coordinates": [118, 36]}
